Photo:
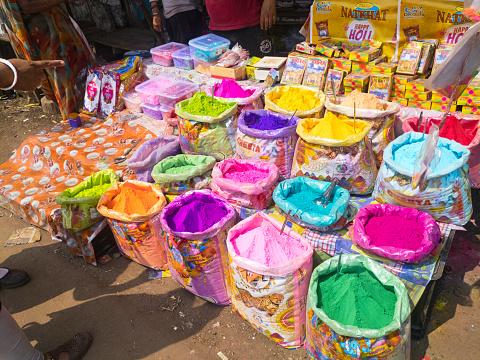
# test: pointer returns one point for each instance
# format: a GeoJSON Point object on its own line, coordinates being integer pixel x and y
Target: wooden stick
{"type": "Point", "coordinates": [213, 91]}
{"type": "Point", "coordinates": [354, 116]}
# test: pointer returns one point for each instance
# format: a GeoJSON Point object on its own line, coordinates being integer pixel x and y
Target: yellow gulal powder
{"type": "Point", "coordinates": [297, 99]}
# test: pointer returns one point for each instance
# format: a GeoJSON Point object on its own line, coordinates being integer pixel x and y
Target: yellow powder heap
{"type": "Point", "coordinates": [297, 99]}
{"type": "Point", "coordinates": [334, 127]}
{"type": "Point", "coordinates": [363, 101]}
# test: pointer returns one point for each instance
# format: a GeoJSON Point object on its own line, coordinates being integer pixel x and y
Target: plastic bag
{"type": "Point", "coordinates": [196, 178]}
{"type": "Point", "coordinates": [351, 161]}
{"type": "Point", "coordinates": [274, 146]}
{"type": "Point", "coordinates": [198, 261]}
{"type": "Point", "coordinates": [272, 299]}
{"type": "Point", "coordinates": [79, 213]}
{"type": "Point", "coordinates": [329, 339]}
{"type": "Point", "coordinates": [150, 153]}
{"type": "Point", "coordinates": [427, 159]}
{"type": "Point", "coordinates": [446, 194]}
{"type": "Point", "coordinates": [339, 216]}
{"type": "Point", "coordinates": [431, 232]}
{"type": "Point", "coordinates": [138, 237]}
{"type": "Point", "coordinates": [252, 195]}
{"type": "Point", "coordinates": [276, 92]}
{"type": "Point", "coordinates": [382, 132]}
{"type": "Point", "coordinates": [234, 56]}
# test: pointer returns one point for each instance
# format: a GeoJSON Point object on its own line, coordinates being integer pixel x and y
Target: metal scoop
{"type": "Point", "coordinates": [325, 198]}
{"type": "Point", "coordinates": [122, 158]}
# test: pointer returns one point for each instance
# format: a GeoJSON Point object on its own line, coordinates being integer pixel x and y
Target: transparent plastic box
{"type": "Point", "coordinates": [203, 66]}
{"type": "Point", "coordinates": [166, 90]}
{"type": "Point", "coordinates": [208, 47]}
{"type": "Point", "coordinates": [182, 59]}
{"type": "Point", "coordinates": [132, 101]}
{"type": "Point", "coordinates": [154, 111]}
{"type": "Point", "coordinates": [162, 55]}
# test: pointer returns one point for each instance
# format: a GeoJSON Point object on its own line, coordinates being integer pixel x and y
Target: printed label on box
{"type": "Point", "coordinates": [294, 69]}
{"type": "Point", "coordinates": [380, 86]}
{"type": "Point", "coordinates": [315, 71]}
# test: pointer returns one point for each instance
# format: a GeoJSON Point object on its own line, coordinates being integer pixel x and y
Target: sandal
{"type": "Point", "coordinates": [76, 347]}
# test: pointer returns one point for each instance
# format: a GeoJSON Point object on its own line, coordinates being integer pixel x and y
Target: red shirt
{"type": "Point", "coordinates": [233, 14]}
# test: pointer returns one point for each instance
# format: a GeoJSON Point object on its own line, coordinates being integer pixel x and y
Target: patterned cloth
{"type": "Point", "coordinates": [50, 35]}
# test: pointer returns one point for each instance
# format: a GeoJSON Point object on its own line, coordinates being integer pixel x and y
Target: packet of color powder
{"type": "Point", "coordinates": [271, 77]}
{"type": "Point", "coordinates": [109, 93]}
{"type": "Point", "coordinates": [440, 57]}
{"type": "Point", "coordinates": [315, 71]}
{"type": "Point", "coordinates": [294, 69]}
{"type": "Point", "coordinates": [91, 103]}
{"type": "Point", "coordinates": [337, 76]}
{"type": "Point", "coordinates": [410, 58]}
{"type": "Point", "coordinates": [426, 57]}
{"type": "Point", "coordinates": [380, 86]}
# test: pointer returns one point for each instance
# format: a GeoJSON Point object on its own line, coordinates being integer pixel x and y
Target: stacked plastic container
{"type": "Point", "coordinates": [206, 49]}
{"type": "Point", "coordinates": [160, 94]}
{"type": "Point", "coordinates": [182, 59]}
{"type": "Point", "coordinates": [162, 55]}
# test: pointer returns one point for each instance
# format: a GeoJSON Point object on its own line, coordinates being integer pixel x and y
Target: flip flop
{"type": "Point", "coordinates": [76, 347]}
{"type": "Point", "coordinates": [14, 279]}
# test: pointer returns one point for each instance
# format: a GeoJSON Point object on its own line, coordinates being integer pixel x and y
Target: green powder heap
{"type": "Point", "coordinates": [94, 191]}
{"type": "Point", "coordinates": [356, 298]}
{"type": "Point", "coordinates": [179, 169]}
{"type": "Point", "coordinates": [201, 104]}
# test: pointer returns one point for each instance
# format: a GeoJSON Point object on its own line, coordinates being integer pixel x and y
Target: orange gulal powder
{"type": "Point", "coordinates": [132, 200]}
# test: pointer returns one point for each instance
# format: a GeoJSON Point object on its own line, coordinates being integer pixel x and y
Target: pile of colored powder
{"type": "Point", "coordinates": [297, 99]}
{"type": "Point", "coordinates": [394, 231]}
{"type": "Point", "coordinates": [247, 176]}
{"type": "Point", "coordinates": [408, 153]}
{"type": "Point", "coordinates": [356, 298]}
{"type": "Point", "coordinates": [179, 169]}
{"type": "Point", "coordinates": [334, 127]}
{"type": "Point", "coordinates": [462, 131]}
{"type": "Point", "coordinates": [229, 89]}
{"type": "Point", "coordinates": [363, 101]}
{"type": "Point", "coordinates": [303, 200]}
{"type": "Point", "coordinates": [94, 191]}
{"type": "Point", "coordinates": [266, 122]}
{"type": "Point", "coordinates": [266, 246]}
{"type": "Point", "coordinates": [201, 104]}
{"type": "Point", "coordinates": [132, 200]}
{"type": "Point", "coordinates": [197, 216]}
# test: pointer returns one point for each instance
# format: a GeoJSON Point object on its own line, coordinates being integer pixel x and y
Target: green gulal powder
{"type": "Point", "coordinates": [201, 104]}
{"type": "Point", "coordinates": [179, 169]}
{"type": "Point", "coordinates": [356, 298]}
{"type": "Point", "coordinates": [94, 191]}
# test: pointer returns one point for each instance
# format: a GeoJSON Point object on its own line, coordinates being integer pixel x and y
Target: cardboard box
{"type": "Point", "coordinates": [357, 79]}
{"type": "Point", "coordinates": [399, 88]}
{"type": "Point", "coordinates": [294, 69]}
{"type": "Point", "coordinates": [440, 57]}
{"type": "Point", "coordinates": [426, 58]}
{"type": "Point", "coordinates": [443, 107]}
{"type": "Point", "coordinates": [425, 105]}
{"type": "Point", "coordinates": [306, 48]}
{"type": "Point", "coordinates": [348, 90]}
{"type": "Point", "coordinates": [342, 64]}
{"type": "Point", "coordinates": [326, 48]}
{"type": "Point", "coordinates": [418, 95]}
{"type": "Point", "coordinates": [365, 54]}
{"type": "Point", "coordinates": [403, 79]}
{"type": "Point", "coordinates": [469, 100]}
{"type": "Point", "coordinates": [381, 86]}
{"type": "Point", "coordinates": [399, 94]}
{"type": "Point", "coordinates": [470, 110]}
{"type": "Point", "coordinates": [250, 69]}
{"type": "Point", "coordinates": [401, 101]}
{"type": "Point", "coordinates": [315, 71]}
{"type": "Point", "coordinates": [235, 73]}
{"type": "Point", "coordinates": [261, 74]}
{"type": "Point", "coordinates": [384, 68]}
{"type": "Point", "coordinates": [416, 85]}
{"type": "Point", "coordinates": [410, 58]}
{"type": "Point", "coordinates": [337, 76]}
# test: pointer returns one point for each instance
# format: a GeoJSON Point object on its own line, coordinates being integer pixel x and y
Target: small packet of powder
{"type": "Point", "coordinates": [109, 93]}
{"type": "Point", "coordinates": [271, 77]}
{"type": "Point", "coordinates": [91, 103]}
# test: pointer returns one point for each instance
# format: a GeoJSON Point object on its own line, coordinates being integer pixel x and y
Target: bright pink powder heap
{"type": "Point", "coordinates": [394, 231]}
{"type": "Point", "coordinates": [266, 246]}
{"type": "Point", "coordinates": [229, 89]}
{"type": "Point", "coordinates": [247, 176]}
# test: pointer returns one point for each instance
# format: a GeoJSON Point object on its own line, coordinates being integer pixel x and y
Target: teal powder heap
{"type": "Point", "coordinates": [356, 298]}
{"type": "Point", "coordinates": [303, 200]}
{"type": "Point", "coordinates": [201, 104]}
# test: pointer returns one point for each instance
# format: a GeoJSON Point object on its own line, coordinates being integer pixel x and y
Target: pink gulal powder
{"type": "Point", "coordinates": [266, 246]}
{"type": "Point", "coordinates": [394, 231]}
{"type": "Point", "coordinates": [229, 89]}
{"type": "Point", "coordinates": [247, 176]}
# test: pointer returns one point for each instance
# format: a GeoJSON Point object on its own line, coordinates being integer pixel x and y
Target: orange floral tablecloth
{"type": "Point", "coordinates": [51, 161]}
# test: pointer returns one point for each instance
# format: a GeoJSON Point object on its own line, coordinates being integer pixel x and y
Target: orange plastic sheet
{"type": "Point", "coordinates": [51, 161]}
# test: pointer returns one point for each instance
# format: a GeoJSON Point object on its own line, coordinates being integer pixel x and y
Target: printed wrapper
{"type": "Point", "coordinates": [439, 98]}
{"type": "Point", "coordinates": [315, 71]}
{"type": "Point", "coordinates": [426, 105]}
{"type": "Point", "coordinates": [91, 104]}
{"type": "Point", "coordinates": [109, 93]}
{"type": "Point", "coordinates": [337, 76]}
{"type": "Point", "coordinates": [380, 86]}
{"type": "Point", "coordinates": [306, 48]}
{"type": "Point", "coordinates": [250, 69]}
{"type": "Point", "coordinates": [326, 49]}
{"type": "Point", "coordinates": [418, 96]}
{"type": "Point", "coordinates": [469, 100]}
{"type": "Point", "coordinates": [442, 107]}
{"type": "Point", "coordinates": [384, 68]}
{"type": "Point", "coordinates": [294, 69]}
{"type": "Point", "coordinates": [440, 57]}
{"type": "Point", "coordinates": [347, 90]}
{"type": "Point", "coordinates": [359, 66]}
{"type": "Point", "coordinates": [357, 80]}
{"type": "Point", "coordinates": [342, 64]}
{"type": "Point", "coordinates": [416, 85]}
{"type": "Point", "coordinates": [473, 89]}
{"type": "Point", "coordinates": [404, 79]}
{"type": "Point", "coordinates": [470, 110]}
{"type": "Point", "coordinates": [365, 54]}
{"type": "Point", "coordinates": [426, 57]}
{"type": "Point", "coordinates": [409, 59]}
{"type": "Point", "coordinates": [399, 94]}
{"type": "Point", "coordinates": [400, 101]}
{"type": "Point", "coordinates": [399, 88]}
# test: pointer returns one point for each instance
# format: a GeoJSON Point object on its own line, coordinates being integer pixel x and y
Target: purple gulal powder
{"type": "Point", "coordinates": [197, 216]}
{"type": "Point", "coordinates": [266, 122]}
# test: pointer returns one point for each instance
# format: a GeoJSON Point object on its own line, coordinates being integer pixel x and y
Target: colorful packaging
{"type": "Point", "coordinates": [398, 88]}
{"type": "Point", "coordinates": [342, 64]}
{"type": "Point", "coordinates": [357, 80]}
{"type": "Point", "coordinates": [384, 68]}
{"type": "Point", "coordinates": [315, 71]}
{"type": "Point", "coordinates": [442, 107]}
{"type": "Point", "coordinates": [425, 105]}
{"type": "Point", "coordinates": [380, 86]}
{"type": "Point", "coordinates": [337, 76]}
{"type": "Point", "coordinates": [109, 93]}
{"type": "Point", "coordinates": [417, 85]}
{"type": "Point", "coordinates": [418, 95]}
{"type": "Point", "coordinates": [403, 79]}
{"type": "Point", "coordinates": [426, 57]}
{"type": "Point", "coordinates": [294, 69]}
{"type": "Point", "coordinates": [400, 101]}
{"type": "Point", "coordinates": [91, 104]}
{"type": "Point", "coordinates": [470, 110]}
{"type": "Point", "coordinates": [306, 48]}
{"type": "Point", "coordinates": [410, 58]}
{"type": "Point", "coordinates": [365, 54]}
{"type": "Point", "coordinates": [440, 57]}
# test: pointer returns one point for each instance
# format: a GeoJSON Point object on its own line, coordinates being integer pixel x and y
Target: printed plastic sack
{"type": "Point", "coordinates": [351, 161]}
{"type": "Point", "coordinates": [275, 146]}
{"type": "Point", "coordinates": [256, 195]}
{"type": "Point", "coordinates": [198, 261]}
{"type": "Point", "coordinates": [276, 92]}
{"type": "Point", "coordinates": [446, 195]}
{"type": "Point", "coordinates": [79, 213]}
{"type": "Point", "coordinates": [150, 153]}
{"type": "Point", "coordinates": [470, 125]}
{"type": "Point", "coordinates": [382, 132]}
{"type": "Point", "coordinates": [431, 232]}
{"type": "Point", "coordinates": [208, 135]}
{"type": "Point", "coordinates": [196, 178]}
{"type": "Point", "coordinates": [328, 339]}
{"type": "Point", "coordinates": [253, 102]}
{"type": "Point", "coordinates": [340, 213]}
{"type": "Point", "coordinates": [138, 237]}
{"type": "Point", "coordinates": [272, 299]}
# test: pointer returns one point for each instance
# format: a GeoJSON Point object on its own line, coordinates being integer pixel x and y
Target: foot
{"type": "Point", "coordinates": [73, 349]}
{"type": "Point", "coordinates": [14, 279]}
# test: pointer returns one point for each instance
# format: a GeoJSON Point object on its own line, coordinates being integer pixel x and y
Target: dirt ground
{"type": "Point", "coordinates": [132, 317]}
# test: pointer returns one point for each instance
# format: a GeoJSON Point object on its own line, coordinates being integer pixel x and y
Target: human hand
{"type": "Point", "coordinates": [30, 73]}
{"type": "Point", "coordinates": [158, 23]}
{"type": "Point", "coordinates": [268, 15]}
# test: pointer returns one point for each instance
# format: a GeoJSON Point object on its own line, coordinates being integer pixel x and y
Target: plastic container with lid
{"type": "Point", "coordinates": [162, 55]}
{"type": "Point", "coordinates": [166, 91]}
{"type": "Point", "coordinates": [154, 111]}
{"type": "Point", "coordinates": [149, 89]}
{"type": "Point", "coordinates": [132, 101]}
{"type": "Point", "coordinates": [208, 47]}
{"type": "Point", "coordinates": [203, 66]}
{"type": "Point", "coordinates": [182, 59]}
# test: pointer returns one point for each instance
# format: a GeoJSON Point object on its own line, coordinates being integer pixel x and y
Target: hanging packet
{"type": "Point", "coordinates": [92, 92]}
{"type": "Point", "coordinates": [109, 93]}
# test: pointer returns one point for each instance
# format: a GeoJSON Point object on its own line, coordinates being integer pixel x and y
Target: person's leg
{"type": "Point", "coordinates": [14, 345]}
{"type": "Point", "coordinates": [184, 26]}
{"type": "Point", "coordinates": [12, 278]}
